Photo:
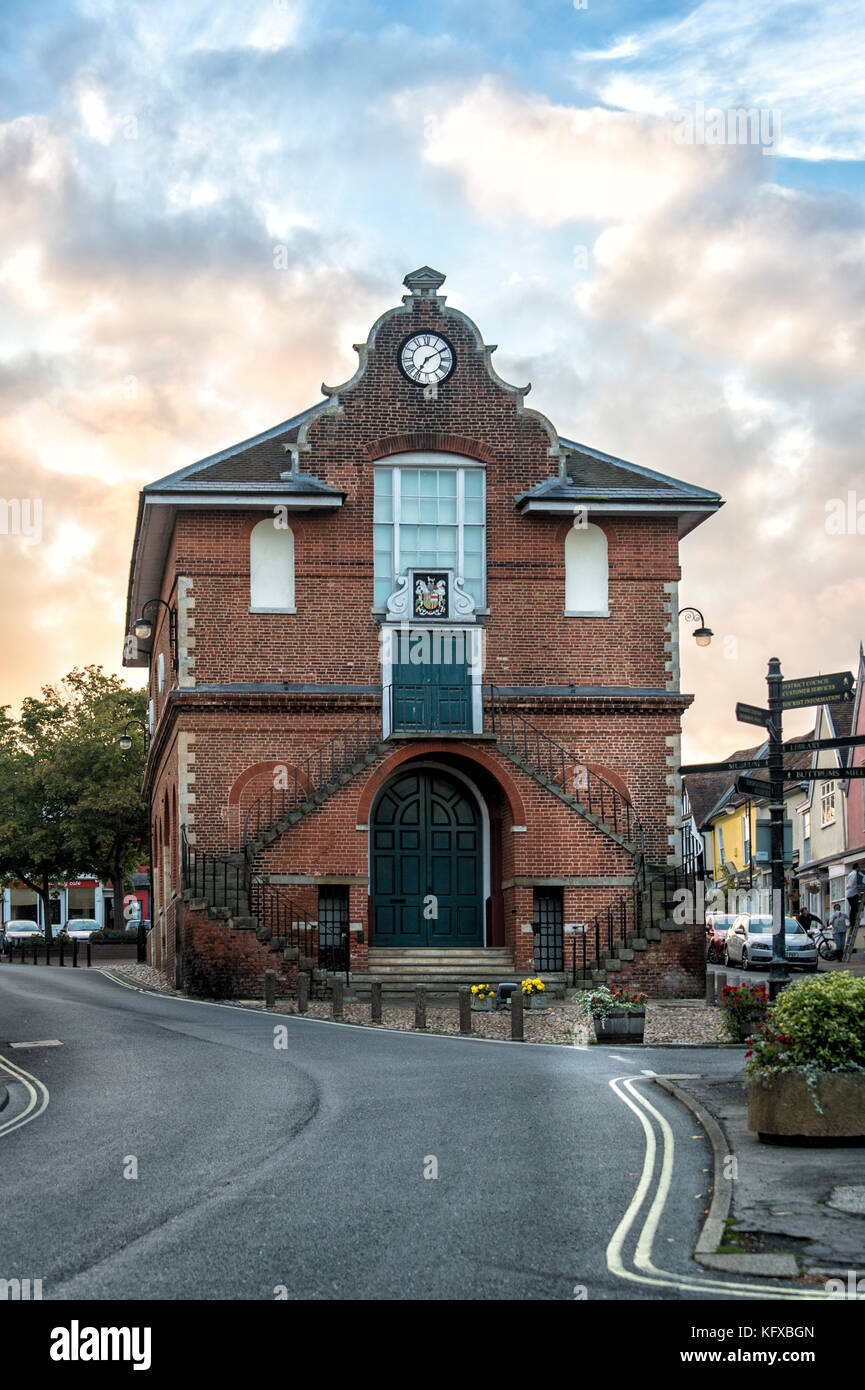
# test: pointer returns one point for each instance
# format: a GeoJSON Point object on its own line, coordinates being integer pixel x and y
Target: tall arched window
{"type": "Point", "coordinates": [586, 573]}
{"type": "Point", "coordinates": [271, 568]}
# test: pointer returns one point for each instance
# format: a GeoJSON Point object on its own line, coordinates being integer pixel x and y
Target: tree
{"type": "Point", "coordinates": [35, 846]}
{"type": "Point", "coordinates": [93, 816]}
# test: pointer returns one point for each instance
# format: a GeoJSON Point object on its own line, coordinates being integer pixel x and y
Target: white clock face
{"type": "Point", "coordinates": [426, 358]}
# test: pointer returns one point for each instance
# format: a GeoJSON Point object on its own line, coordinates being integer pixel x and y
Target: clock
{"type": "Point", "coordinates": [426, 358]}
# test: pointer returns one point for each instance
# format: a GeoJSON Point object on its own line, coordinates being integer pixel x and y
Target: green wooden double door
{"type": "Point", "coordinates": [427, 863]}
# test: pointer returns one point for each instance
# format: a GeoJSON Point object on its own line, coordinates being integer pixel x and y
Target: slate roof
{"type": "Point", "coordinates": [706, 790]}
{"type": "Point", "coordinates": [607, 483]}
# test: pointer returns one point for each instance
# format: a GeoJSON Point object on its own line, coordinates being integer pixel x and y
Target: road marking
{"type": "Point", "coordinates": [647, 1071]}
{"type": "Point", "coordinates": [643, 1253]}
{"type": "Point", "coordinates": [46, 1042]}
{"type": "Point", "coordinates": [38, 1096]}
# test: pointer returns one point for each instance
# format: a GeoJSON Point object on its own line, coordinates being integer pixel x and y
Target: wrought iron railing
{"type": "Point", "coordinates": [221, 879]}
{"type": "Point", "coordinates": [295, 787]}
{"type": "Point", "coordinates": [552, 763]}
{"type": "Point", "coordinates": [674, 890]}
{"type": "Point", "coordinates": [287, 923]}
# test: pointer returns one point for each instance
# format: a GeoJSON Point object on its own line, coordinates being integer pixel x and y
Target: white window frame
{"type": "Point", "coordinates": [454, 463]}
{"type": "Point", "coordinates": [720, 830]}
{"type": "Point", "coordinates": [828, 800]}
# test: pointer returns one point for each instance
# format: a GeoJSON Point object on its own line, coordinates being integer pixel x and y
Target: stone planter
{"type": "Point", "coordinates": [785, 1106]}
{"type": "Point", "coordinates": [482, 1006]}
{"type": "Point", "coordinates": [621, 1027]}
{"type": "Point", "coordinates": [535, 1001]}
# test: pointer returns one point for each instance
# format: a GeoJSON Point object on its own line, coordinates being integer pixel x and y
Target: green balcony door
{"type": "Point", "coordinates": [431, 682]}
{"type": "Point", "coordinates": [427, 844]}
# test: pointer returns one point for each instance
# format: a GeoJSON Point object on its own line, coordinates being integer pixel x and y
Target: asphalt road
{"type": "Point", "coordinates": [262, 1169]}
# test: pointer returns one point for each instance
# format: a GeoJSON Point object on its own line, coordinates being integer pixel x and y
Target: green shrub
{"type": "Point", "coordinates": [817, 1024]}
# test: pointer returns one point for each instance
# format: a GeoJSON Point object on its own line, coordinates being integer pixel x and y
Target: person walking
{"type": "Point", "coordinates": [806, 919]}
{"type": "Point", "coordinates": [839, 923]}
{"type": "Point", "coordinates": [855, 884]}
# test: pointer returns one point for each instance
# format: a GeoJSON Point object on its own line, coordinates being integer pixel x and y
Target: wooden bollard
{"type": "Point", "coordinates": [720, 984]}
{"type": "Point", "coordinates": [710, 987]}
{"type": "Point", "coordinates": [517, 1016]}
{"type": "Point", "coordinates": [465, 1009]}
{"type": "Point", "coordinates": [338, 997]}
{"type": "Point", "coordinates": [302, 992]}
{"type": "Point", "coordinates": [269, 988]}
{"type": "Point", "coordinates": [375, 1002]}
{"type": "Point", "coordinates": [420, 1007]}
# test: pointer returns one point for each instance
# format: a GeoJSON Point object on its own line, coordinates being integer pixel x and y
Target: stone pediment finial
{"type": "Point", "coordinates": [424, 281]}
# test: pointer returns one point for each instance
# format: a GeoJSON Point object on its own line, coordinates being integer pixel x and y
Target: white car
{"type": "Point", "coordinates": [23, 930]}
{"type": "Point", "coordinates": [749, 942]}
{"type": "Point", "coordinates": [81, 927]}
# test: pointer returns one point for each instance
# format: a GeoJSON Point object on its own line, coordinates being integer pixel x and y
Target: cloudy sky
{"type": "Point", "coordinates": [682, 289]}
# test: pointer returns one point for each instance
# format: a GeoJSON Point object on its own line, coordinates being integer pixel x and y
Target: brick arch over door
{"type": "Point", "coordinates": [432, 748]}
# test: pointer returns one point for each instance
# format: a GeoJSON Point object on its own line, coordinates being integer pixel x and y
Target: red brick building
{"type": "Point", "coordinates": [414, 677]}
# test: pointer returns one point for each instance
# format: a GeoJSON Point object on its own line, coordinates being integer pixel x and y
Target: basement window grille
{"type": "Point", "coordinates": [548, 927]}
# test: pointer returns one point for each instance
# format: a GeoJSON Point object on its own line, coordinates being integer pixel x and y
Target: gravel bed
{"type": "Point", "coordinates": [555, 1025]}
{"type": "Point", "coordinates": [143, 974]}
{"type": "Point", "coordinates": [672, 1023]}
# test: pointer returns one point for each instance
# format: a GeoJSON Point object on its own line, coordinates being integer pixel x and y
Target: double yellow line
{"type": "Point", "coordinates": [641, 1269]}
{"type": "Point", "coordinates": [37, 1097]}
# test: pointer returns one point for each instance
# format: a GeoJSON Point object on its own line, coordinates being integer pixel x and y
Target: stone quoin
{"type": "Point", "coordinates": [415, 627]}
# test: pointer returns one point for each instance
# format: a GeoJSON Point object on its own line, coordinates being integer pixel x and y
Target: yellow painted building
{"type": "Point", "coordinates": [733, 831]}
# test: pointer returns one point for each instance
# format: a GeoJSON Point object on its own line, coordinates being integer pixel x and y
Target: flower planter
{"type": "Point", "coordinates": [784, 1106]}
{"type": "Point", "coordinates": [534, 1001]}
{"type": "Point", "coordinates": [483, 1006]}
{"type": "Point", "coordinates": [747, 1027]}
{"type": "Point", "coordinates": [621, 1027]}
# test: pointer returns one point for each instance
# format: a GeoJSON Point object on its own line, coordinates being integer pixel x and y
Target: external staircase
{"type": "Point", "coordinates": [228, 886]}
{"type": "Point", "coordinates": [443, 972]}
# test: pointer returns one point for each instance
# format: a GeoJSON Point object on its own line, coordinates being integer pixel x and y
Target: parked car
{"type": "Point", "coordinates": [717, 926]}
{"type": "Point", "coordinates": [749, 942]}
{"type": "Point", "coordinates": [24, 930]}
{"type": "Point", "coordinates": [81, 928]}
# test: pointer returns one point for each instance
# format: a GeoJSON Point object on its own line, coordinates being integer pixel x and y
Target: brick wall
{"type": "Point", "coordinates": [213, 753]}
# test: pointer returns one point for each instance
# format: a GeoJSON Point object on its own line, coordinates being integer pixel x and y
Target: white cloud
{"type": "Point", "coordinates": [550, 163]}
{"type": "Point", "coordinates": [803, 60]}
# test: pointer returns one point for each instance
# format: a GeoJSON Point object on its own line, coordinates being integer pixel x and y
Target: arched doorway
{"type": "Point", "coordinates": [426, 862]}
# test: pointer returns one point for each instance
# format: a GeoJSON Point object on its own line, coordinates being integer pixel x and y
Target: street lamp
{"type": "Point", "coordinates": [124, 742]}
{"type": "Point", "coordinates": [143, 627]}
{"type": "Point", "coordinates": [702, 635]}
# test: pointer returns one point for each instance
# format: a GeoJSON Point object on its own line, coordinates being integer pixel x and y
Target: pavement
{"type": "Point", "coordinates": [790, 1206]}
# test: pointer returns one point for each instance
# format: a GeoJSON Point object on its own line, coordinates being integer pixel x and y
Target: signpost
{"type": "Point", "coordinates": [733, 765]}
{"type": "Point", "coordinates": [823, 774]}
{"type": "Point", "coordinates": [818, 745]}
{"type": "Point", "coordinates": [749, 786]}
{"type": "Point", "coordinates": [752, 714]}
{"type": "Point", "coordinates": [817, 690]}
{"type": "Point", "coordinates": [790, 694]}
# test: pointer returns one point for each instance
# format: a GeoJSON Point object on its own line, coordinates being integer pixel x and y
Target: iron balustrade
{"type": "Point", "coordinates": [552, 763]}
{"type": "Point", "coordinates": [280, 916]}
{"type": "Point", "coordinates": [222, 880]}
{"type": "Point", "coordinates": [300, 784]}
{"type": "Point", "coordinates": [654, 896]}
